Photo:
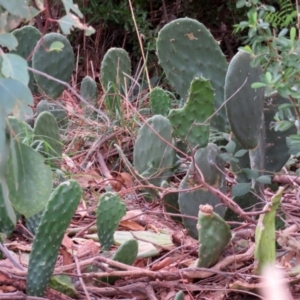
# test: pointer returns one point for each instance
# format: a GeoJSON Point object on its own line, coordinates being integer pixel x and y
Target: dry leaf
{"type": "Point", "coordinates": [132, 225]}
{"type": "Point", "coordinates": [66, 256]}
{"type": "Point", "coordinates": [88, 248]}
{"type": "Point", "coordinates": [67, 242]}
{"type": "Point", "coordinates": [89, 179]}
{"type": "Point", "coordinates": [162, 264]}
{"type": "Point", "coordinates": [127, 179]}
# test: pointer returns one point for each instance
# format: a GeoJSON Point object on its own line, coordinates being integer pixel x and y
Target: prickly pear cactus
{"type": "Point", "coordinates": [277, 151]}
{"type": "Point", "coordinates": [160, 101]}
{"type": "Point", "coordinates": [214, 235]}
{"type": "Point", "coordinates": [46, 129]}
{"type": "Point", "coordinates": [58, 63]}
{"type": "Point", "coordinates": [265, 236]}
{"type": "Point", "coordinates": [153, 158]}
{"type": "Point", "coordinates": [28, 37]}
{"type": "Point", "coordinates": [245, 107]}
{"type": "Point", "coordinates": [20, 131]}
{"type": "Point", "coordinates": [186, 49]}
{"type": "Point", "coordinates": [179, 296]}
{"type": "Point", "coordinates": [42, 106]}
{"type": "Point", "coordinates": [88, 90]}
{"type": "Point", "coordinates": [33, 222]}
{"type": "Point", "coordinates": [109, 212]}
{"type": "Point", "coordinates": [127, 252]}
{"type": "Point", "coordinates": [212, 168]}
{"type": "Point", "coordinates": [115, 69]}
{"type": "Point", "coordinates": [6, 224]}
{"type": "Point", "coordinates": [191, 123]}
{"type": "Point", "coordinates": [55, 220]}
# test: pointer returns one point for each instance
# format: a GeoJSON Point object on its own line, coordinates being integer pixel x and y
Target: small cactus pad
{"type": "Point", "coordinates": [214, 235]}
{"type": "Point", "coordinates": [212, 168]}
{"type": "Point", "coordinates": [160, 101]}
{"type": "Point", "coordinates": [58, 63]}
{"type": "Point", "coordinates": [115, 72]}
{"type": "Point", "coordinates": [88, 90]}
{"type": "Point", "coordinates": [127, 252]}
{"type": "Point", "coordinates": [55, 220]}
{"type": "Point", "coordinates": [110, 211]}
{"type": "Point", "coordinates": [245, 107]}
{"type": "Point", "coordinates": [277, 151]}
{"type": "Point", "coordinates": [20, 131]}
{"type": "Point", "coordinates": [188, 121]}
{"type": "Point", "coordinates": [42, 106]}
{"type": "Point", "coordinates": [46, 129]}
{"type": "Point", "coordinates": [153, 158]}
{"type": "Point", "coordinates": [265, 236]}
{"type": "Point", "coordinates": [28, 37]}
{"type": "Point", "coordinates": [186, 49]}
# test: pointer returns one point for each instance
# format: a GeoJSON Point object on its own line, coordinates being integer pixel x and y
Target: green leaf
{"type": "Point", "coordinates": [70, 6]}
{"type": "Point", "coordinates": [292, 34]}
{"type": "Point", "coordinates": [230, 147]}
{"type": "Point", "coordinates": [264, 179]}
{"type": "Point", "coordinates": [15, 67]}
{"type": "Point", "coordinates": [257, 85]}
{"type": "Point", "coordinates": [56, 46]}
{"type": "Point", "coordinates": [15, 98]}
{"type": "Point", "coordinates": [30, 191]}
{"type": "Point", "coordinates": [241, 153]}
{"type": "Point", "coordinates": [251, 174]}
{"type": "Point", "coordinates": [8, 40]}
{"type": "Point", "coordinates": [268, 77]}
{"type": "Point", "coordinates": [16, 8]}
{"type": "Point", "coordinates": [240, 3]}
{"type": "Point", "coordinates": [68, 22]}
{"type": "Point", "coordinates": [241, 189]}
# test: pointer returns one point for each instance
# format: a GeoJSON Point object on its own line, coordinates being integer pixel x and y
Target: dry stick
{"type": "Point", "coordinates": [101, 114]}
{"type": "Point", "coordinates": [140, 42]}
{"type": "Point", "coordinates": [10, 257]}
{"type": "Point", "coordinates": [225, 199]}
{"type": "Point", "coordinates": [19, 296]}
{"type": "Point", "coordinates": [80, 278]}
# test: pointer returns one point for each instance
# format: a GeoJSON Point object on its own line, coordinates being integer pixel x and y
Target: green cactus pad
{"type": "Point", "coordinates": [153, 158]}
{"type": "Point", "coordinates": [265, 236]}
{"type": "Point", "coordinates": [42, 106]}
{"type": "Point", "coordinates": [20, 131]}
{"type": "Point", "coordinates": [115, 72]}
{"type": "Point", "coordinates": [33, 222]}
{"type": "Point", "coordinates": [277, 151]}
{"type": "Point", "coordinates": [179, 296]}
{"type": "Point", "coordinates": [160, 101]}
{"type": "Point", "coordinates": [212, 168]}
{"type": "Point", "coordinates": [6, 224]}
{"type": "Point", "coordinates": [28, 37]}
{"type": "Point", "coordinates": [88, 90]}
{"type": "Point", "coordinates": [46, 129]}
{"type": "Point", "coordinates": [53, 62]}
{"type": "Point", "coordinates": [127, 252]}
{"type": "Point", "coordinates": [110, 211]}
{"type": "Point", "coordinates": [186, 49]}
{"type": "Point", "coordinates": [198, 108]}
{"type": "Point", "coordinates": [245, 107]}
{"type": "Point", "coordinates": [55, 220]}
{"type": "Point", "coordinates": [214, 236]}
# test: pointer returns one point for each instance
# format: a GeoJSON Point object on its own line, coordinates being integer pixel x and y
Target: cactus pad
{"type": "Point", "coordinates": [153, 158]}
{"type": "Point", "coordinates": [110, 211]}
{"type": "Point", "coordinates": [160, 101]}
{"type": "Point", "coordinates": [46, 129]}
{"type": "Point", "coordinates": [198, 108]}
{"type": "Point", "coordinates": [245, 107]}
{"type": "Point", "coordinates": [55, 220]}
{"type": "Point", "coordinates": [214, 236]}
{"type": "Point", "coordinates": [56, 63]}
{"type": "Point", "coordinates": [212, 168]}
{"type": "Point", "coordinates": [115, 72]}
{"type": "Point", "coordinates": [186, 49]}
{"type": "Point", "coordinates": [28, 37]}
{"type": "Point", "coordinates": [89, 91]}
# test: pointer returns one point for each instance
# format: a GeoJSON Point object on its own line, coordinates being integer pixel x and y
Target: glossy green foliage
{"type": "Point", "coordinates": [160, 101]}
{"type": "Point", "coordinates": [56, 62]}
{"type": "Point", "coordinates": [109, 212]}
{"type": "Point", "coordinates": [245, 107]}
{"type": "Point", "coordinates": [28, 37]}
{"type": "Point", "coordinates": [212, 168]}
{"type": "Point", "coordinates": [214, 235]}
{"type": "Point", "coordinates": [191, 123]}
{"type": "Point", "coordinates": [153, 155]}
{"type": "Point", "coordinates": [46, 129]}
{"type": "Point", "coordinates": [265, 236]}
{"type": "Point", "coordinates": [115, 80]}
{"type": "Point", "coordinates": [55, 220]}
{"type": "Point", "coordinates": [186, 49]}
